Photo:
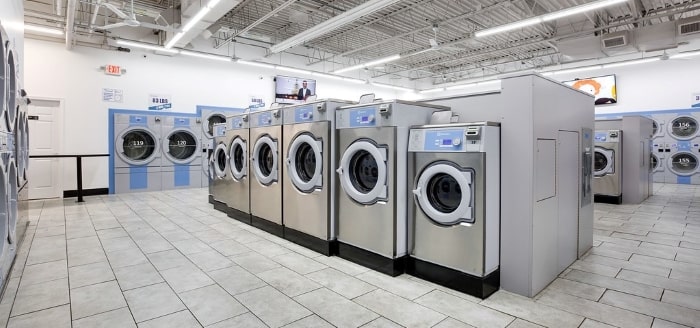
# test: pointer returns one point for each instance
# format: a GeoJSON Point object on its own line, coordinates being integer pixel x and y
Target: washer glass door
{"type": "Point", "coordinates": [444, 192]}
{"type": "Point", "coordinates": [12, 91]}
{"type": "Point", "coordinates": [238, 161]}
{"type": "Point", "coordinates": [220, 158]}
{"type": "Point", "coordinates": [602, 161]}
{"type": "Point", "coordinates": [304, 162]}
{"type": "Point", "coordinates": [363, 172]}
{"type": "Point", "coordinates": [137, 146]}
{"type": "Point", "coordinates": [683, 163]}
{"type": "Point", "coordinates": [208, 126]}
{"type": "Point", "coordinates": [265, 160]}
{"type": "Point", "coordinates": [181, 146]}
{"type": "Point", "coordinates": [683, 127]}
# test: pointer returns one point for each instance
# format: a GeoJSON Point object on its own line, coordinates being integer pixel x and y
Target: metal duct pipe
{"type": "Point", "coordinates": [70, 20]}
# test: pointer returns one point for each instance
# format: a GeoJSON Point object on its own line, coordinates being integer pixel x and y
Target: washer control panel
{"type": "Point", "coordinates": [238, 122]}
{"type": "Point", "coordinates": [363, 117]}
{"type": "Point", "coordinates": [219, 130]}
{"type": "Point", "coordinates": [266, 118]}
{"type": "Point", "coordinates": [303, 114]}
{"type": "Point", "coordinates": [608, 136]}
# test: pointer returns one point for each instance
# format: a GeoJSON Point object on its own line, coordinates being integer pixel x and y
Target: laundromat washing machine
{"type": "Point", "coordinates": [309, 181]}
{"type": "Point", "coordinates": [182, 164]}
{"type": "Point", "coordinates": [210, 116]}
{"type": "Point", "coordinates": [682, 161]}
{"type": "Point", "coordinates": [237, 194]}
{"type": "Point", "coordinates": [454, 228]}
{"type": "Point", "coordinates": [372, 205]}
{"type": "Point", "coordinates": [137, 152]}
{"type": "Point", "coordinates": [266, 187]}
{"type": "Point", "coordinates": [218, 165]}
{"type": "Point", "coordinates": [607, 166]}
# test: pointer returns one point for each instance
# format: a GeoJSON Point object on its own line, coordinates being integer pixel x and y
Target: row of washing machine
{"type": "Point", "coordinates": [371, 183]}
{"type": "Point", "coordinates": [154, 151]}
{"type": "Point", "coordinates": [14, 152]}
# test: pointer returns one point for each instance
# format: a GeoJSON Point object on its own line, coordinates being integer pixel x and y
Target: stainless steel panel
{"type": "Point", "coordinates": [237, 195]}
{"type": "Point", "coordinates": [459, 247]}
{"type": "Point", "coordinates": [371, 227]}
{"type": "Point", "coordinates": [309, 213]}
{"type": "Point", "coordinates": [266, 201]}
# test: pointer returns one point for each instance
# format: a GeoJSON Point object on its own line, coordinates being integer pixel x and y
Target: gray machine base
{"type": "Point", "coordinates": [374, 261]}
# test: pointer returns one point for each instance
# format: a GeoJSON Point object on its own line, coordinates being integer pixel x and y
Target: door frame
{"type": "Point", "coordinates": [59, 134]}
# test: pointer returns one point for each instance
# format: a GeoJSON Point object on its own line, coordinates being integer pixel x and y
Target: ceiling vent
{"type": "Point", "coordinates": [688, 26]}
{"type": "Point", "coordinates": [617, 43]}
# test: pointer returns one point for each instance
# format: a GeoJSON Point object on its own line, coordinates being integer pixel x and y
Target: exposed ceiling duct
{"type": "Point", "coordinates": [190, 10]}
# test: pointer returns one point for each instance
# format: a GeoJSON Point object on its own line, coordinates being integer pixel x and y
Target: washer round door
{"type": "Point", "coordinates": [12, 91]}
{"type": "Point", "coordinates": [12, 203]}
{"type": "Point", "coordinates": [265, 160]}
{"type": "Point", "coordinates": [238, 161]}
{"type": "Point", "coordinates": [683, 127]}
{"type": "Point", "coordinates": [219, 160]}
{"type": "Point", "coordinates": [3, 68]}
{"type": "Point", "coordinates": [363, 172]}
{"type": "Point", "coordinates": [4, 203]}
{"type": "Point", "coordinates": [655, 163]}
{"type": "Point", "coordinates": [181, 146]}
{"type": "Point", "coordinates": [209, 121]}
{"type": "Point", "coordinates": [603, 161]}
{"type": "Point", "coordinates": [137, 146]}
{"type": "Point", "coordinates": [305, 162]}
{"type": "Point", "coordinates": [444, 192]}
{"type": "Point", "coordinates": [683, 163]}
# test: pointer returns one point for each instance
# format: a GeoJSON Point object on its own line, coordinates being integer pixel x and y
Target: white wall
{"type": "Point", "coordinates": [75, 78]}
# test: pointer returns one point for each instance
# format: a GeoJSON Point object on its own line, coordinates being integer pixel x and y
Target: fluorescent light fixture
{"type": "Point", "coordinates": [213, 3]}
{"type": "Point", "coordinates": [329, 76]}
{"type": "Point", "coordinates": [631, 62]}
{"type": "Point", "coordinates": [44, 30]}
{"type": "Point", "coordinates": [293, 70]}
{"type": "Point", "coordinates": [256, 64]}
{"type": "Point", "coordinates": [146, 46]}
{"type": "Point", "coordinates": [461, 86]}
{"type": "Point", "coordinates": [368, 64]}
{"type": "Point", "coordinates": [196, 18]}
{"type": "Point", "coordinates": [356, 81]}
{"type": "Point", "coordinates": [547, 17]}
{"type": "Point", "coordinates": [389, 86]}
{"type": "Point", "coordinates": [574, 70]}
{"type": "Point", "coordinates": [174, 40]}
{"type": "Point", "coordinates": [685, 54]}
{"type": "Point", "coordinates": [580, 9]}
{"type": "Point", "coordinates": [332, 24]}
{"type": "Point", "coordinates": [202, 55]}
{"type": "Point", "coordinates": [432, 90]}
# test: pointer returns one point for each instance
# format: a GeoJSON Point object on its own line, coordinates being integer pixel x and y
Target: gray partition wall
{"type": "Point", "coordinates": [637, 175]}
{"type": "Point", "coordinates": [546, 169]}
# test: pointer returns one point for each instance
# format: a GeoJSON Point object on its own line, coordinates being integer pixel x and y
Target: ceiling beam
{"type": "Point", "coordinates": [256, 23]}
{"type": "Point", "coordinates": [70, 19]}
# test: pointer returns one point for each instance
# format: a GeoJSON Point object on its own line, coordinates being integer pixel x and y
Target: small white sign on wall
{"type": "Point", "coordinates": [696, 100]}
{"type": "Point", "coordinates": [160, 102]}
{"type": "Point", "coordinates": [112, 95]}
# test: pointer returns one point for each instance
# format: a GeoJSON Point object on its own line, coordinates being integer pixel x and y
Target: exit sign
{"type": "Point", "coordinates": [113, 70]}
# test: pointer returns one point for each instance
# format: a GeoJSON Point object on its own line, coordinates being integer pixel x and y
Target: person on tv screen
{"type": "Point", "coordinates": [304, 92]}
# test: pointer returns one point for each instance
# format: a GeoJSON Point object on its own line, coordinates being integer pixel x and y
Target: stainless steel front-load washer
{"type": "Point", "coordinates": [454, 228]}
{"type": "Point", "coordinates": [218, 166]}
{"type": "Point", "coordinates": [309, 180]}
{"type": "Point", "coordinates": [372, 202]}
{"type": "Point", "coordinates": [237, 195]}
{"type": "Point", "coordinates": [607, 170]}
{"type": "Point", "coordinates": [266, 187]}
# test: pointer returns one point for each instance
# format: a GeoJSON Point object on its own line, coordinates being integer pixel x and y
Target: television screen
{"type": "Point", "coordinates": [602, 87]}
{"type": "Point", "coordinates": [293, 90]}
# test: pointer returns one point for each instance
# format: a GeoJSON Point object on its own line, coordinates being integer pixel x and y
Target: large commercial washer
{"type": "Point", "coordinates": [218, 165]}
{"type": "Point", "coordinates": [607, 170]}
{"type": "Point", "coordinates": [372, 205]}
{"type": "Point", "coordinates": [237, 194]}
{"type": "Point", "coordinates": [137, 154]}
{"type": "Point", "coordinates": [309, 181]}
{"type": "Point", "coordinates": [455, 223]}
{"type": "Point", "coordinates": [266, 187]}
{"type": "Point", "coordinates": [181, 163]}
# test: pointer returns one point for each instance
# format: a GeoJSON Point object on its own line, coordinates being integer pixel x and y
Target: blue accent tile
{"type": "Point", "coordinates": [138, 177]}
{"type": "Point", "coordinates": [182, 175]}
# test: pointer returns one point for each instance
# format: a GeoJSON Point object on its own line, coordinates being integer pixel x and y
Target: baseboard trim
{"type": "Point", "coordinates": [86, 192]}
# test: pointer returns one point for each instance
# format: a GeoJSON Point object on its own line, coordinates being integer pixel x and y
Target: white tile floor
{"type": "Point", "coordinates": [167, 259]}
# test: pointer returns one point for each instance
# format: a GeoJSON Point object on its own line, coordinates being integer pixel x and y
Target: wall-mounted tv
{"type": "Point", "coordinates": [293, 90]}
{"type": "Point", "coordinates": [604, 88]}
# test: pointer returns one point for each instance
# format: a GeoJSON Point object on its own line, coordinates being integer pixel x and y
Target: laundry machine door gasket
{"type": "Point", "coordinates": [444, 192]}
{"type": "Point", "coordinates": [238, 161]}
{"type": "Point", "coordinates": [603, 161]}
{"type": "Point", "coordinates": [181, 146]}
{"type": "Point", "coordinates": [305, 163]}
{"type": "Point", "coordinates": [220, 160]}
{"type": "Point", "coordinates": [363, 172]}
{"type": "Point", "coordinates": [265, 160]}
{"type": "Point", "coordinates": [683, 163]}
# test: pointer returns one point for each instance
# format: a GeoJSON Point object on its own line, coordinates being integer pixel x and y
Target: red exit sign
{"type": "Point", "coordinates": [113, 70]}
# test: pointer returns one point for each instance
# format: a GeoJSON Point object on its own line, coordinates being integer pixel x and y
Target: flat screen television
{"type": "Point", "coordinates": [288, 90]}
{"type": "Point", "coordinates": [604, 88]}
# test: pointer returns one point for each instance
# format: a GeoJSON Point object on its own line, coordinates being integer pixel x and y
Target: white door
{"type": "Point", "coordinates": [44, 139]}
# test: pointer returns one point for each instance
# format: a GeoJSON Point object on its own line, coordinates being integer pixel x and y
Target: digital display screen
{"type": "Point", "coordinates": [293, 90]}
{"type": "Point", "coordinates": [365, 118]}
{"type": "Point", "coordinates": [446, 142]}
{"type": "Point", "coordinates": [603, 88]}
